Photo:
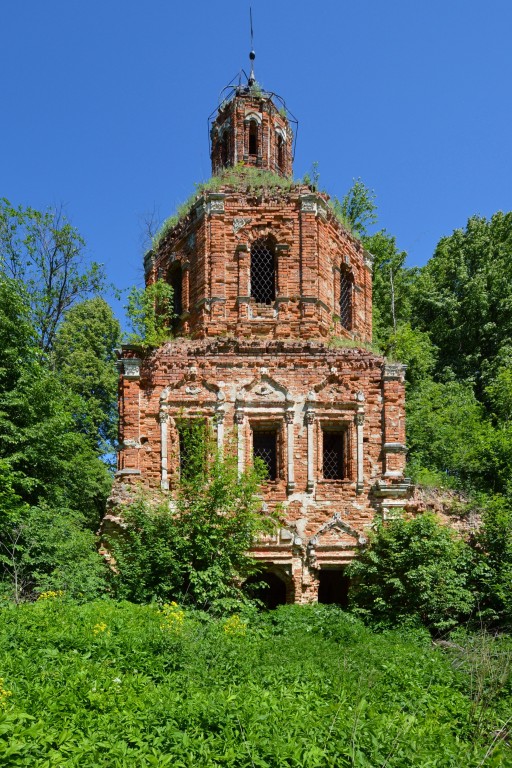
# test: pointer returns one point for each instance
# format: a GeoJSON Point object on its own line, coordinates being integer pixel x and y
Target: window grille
{"type": "Point", "coordinates": [346, 288]}
{"type": "Point", "coordinates": [263, 276]}
{"type": "Point", "coordinates": [253, 137]}
{"type": "Point", "coordinates": [264, 447]}
{"type": "Point", "coordinates": [334, 454]}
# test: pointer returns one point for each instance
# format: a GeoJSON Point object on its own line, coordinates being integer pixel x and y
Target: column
{"type": "Point", "coordinates": [219, 420]}
{"type": "Point", "coordinates": [288, 417]}
{"type": "Point", "coordinates": [164, 480]}
{"type": "Point", "coordinates": [240, 422]}
{"type": "Point", "coordinates": [310, 422]}
{"type": "Point", "coordinates": [359, 422]}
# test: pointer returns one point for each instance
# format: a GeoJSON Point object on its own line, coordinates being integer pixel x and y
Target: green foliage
{"type": "Point", "coordinates": [45, 253]}
{"type": "Point", "coordinates": [413, 348]}
{"type": "Point", "coordinates": [48, 470]}
{"type": "Point", "coordinates": [463, 297]}
{"type": "Point", "coordinates": [495, 540]}
{"type": "Point", "coordinates": [447, 434]}
{"type": "Point", "coordinates": [43, 548]}
{"type": "Point", "coordinates": [193, 547]}
{"type": "Point", "coordinates": [115, 685]}
{"type": "Point", "coordinates": [415, 571]}
{"type": "Point", "coordinates": [84, 355]}
{"type": "Point", "coordinates": [150, 313]}
{"type": "Point", "coordinates": [357, 208]}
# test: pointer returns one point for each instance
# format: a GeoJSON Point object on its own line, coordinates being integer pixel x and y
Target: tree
{"type": "Point", "coordinates": [150, 313]}
{"type": "Point", "coordinates": [193, 548]}
{"type": "Point", "coordinates": [46, 253]}
{"type": "Point", "coordinates": [463, 299]}
{"type": "Point", "coordinates": [84, 355]}
{"type": "Point", "coordinates": [448, 436]}
{"type": "Point", "coordinates": [415, 570]}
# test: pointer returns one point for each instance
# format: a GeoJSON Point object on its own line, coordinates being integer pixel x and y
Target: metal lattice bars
{"type": "Point", "coordinates": [346, 289]}
{"type": "Point", "coordinates": [263, 272]}
{"type": "Point", "coordinates": [264, 447]}
{"type": "Point", "coordinates": [333, 455]}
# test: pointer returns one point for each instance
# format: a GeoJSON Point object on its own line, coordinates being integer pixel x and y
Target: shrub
{"type": "Point", "coordinates": [415, 571]}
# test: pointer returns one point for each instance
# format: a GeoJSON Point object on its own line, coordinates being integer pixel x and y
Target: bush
{"type": "Point", "coordinates": [415, 571]}
{"type": "Point", "coordinates": [193, 546]}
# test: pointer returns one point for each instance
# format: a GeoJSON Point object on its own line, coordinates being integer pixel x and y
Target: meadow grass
{"type": "Point", "coordinates": [117, 684]}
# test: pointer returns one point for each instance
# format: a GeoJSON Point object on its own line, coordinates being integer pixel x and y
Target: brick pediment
{"type": "Point", "coordinates": [263, 390]}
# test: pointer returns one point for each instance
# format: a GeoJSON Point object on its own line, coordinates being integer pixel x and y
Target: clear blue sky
{"type": "Point", "coordinates": [104, 107]}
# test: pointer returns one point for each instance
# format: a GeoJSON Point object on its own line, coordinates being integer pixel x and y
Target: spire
{"type": "Point", "coordinates": [252, 55]}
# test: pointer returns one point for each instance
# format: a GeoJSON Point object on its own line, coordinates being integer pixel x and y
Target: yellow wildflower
{"type": "Point", "coordinates": [100, 627]}
{"type": "Point", "coordinates": [51, 594]}
{"type": "Point", "coordinates": [173, 617]}
{"type": "Point", "coordinates": [235, 626]}
{"type": "Point", "coordinates": [4, 694]}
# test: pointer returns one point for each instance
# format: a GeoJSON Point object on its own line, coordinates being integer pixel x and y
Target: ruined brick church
{"type": "Point", "coordinates": [273, 297]}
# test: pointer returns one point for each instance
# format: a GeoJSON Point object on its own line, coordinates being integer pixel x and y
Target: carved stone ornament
{"type": "Point", "coordinates": [288, 417]}
{"type": "Point", "coordinates": [309, 204]}
{"type": "Point", "coordinates": [192, 390]}
{"type": "Point", "coordinates": [263, 389]}
{"type": "Point", "coordinates": [360, 397]}
{"type": "Point", "coordinates": [394, 371]}
{"type": "Point", "coordinates": [239, 222]}
{"type": "Point", "coordinates": [163, 417]}
{"type": "Point", "coordinates": [131, 368]}
{"type": "Point", "coordinates": [219, 416]}
{"type": "Point", "coordinates": [368, 260]}
{"type": "Point", "coordinates": [216, 205]}
{"type": "Point", "coordinates": [359, 419]}
{"type": "Point", "coordinates": [310, 417]}
{"type": "Point", "coordinates": [239, 417]}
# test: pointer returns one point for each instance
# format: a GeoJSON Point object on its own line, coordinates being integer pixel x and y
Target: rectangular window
{"type": "Point", "coordinates": [193, 448]}
{"type": "Point", "coordinates": [264, 447]}
{"type": "Point", "coordinates": [334, 454]}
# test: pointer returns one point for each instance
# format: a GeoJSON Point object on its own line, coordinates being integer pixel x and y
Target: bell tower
{"type": "Point", "coordinates": [250, 129]}
{"type": "Point", "coordinates": [271, 345]}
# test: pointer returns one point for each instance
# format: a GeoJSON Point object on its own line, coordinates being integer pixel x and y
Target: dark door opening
{"type": "Point", "coordinates": [333, 587]}
{"type": "Point", "coordinates": [268, 588]}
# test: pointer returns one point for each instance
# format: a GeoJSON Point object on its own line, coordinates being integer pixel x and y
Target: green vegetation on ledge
{"type": "Point", "coordinates": [243, 178]}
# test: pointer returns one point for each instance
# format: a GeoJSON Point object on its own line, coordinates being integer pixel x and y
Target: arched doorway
{"type": "Point", "coordinates": [267, 587]}
{"type": "Point", "coordinates": [333, 587]}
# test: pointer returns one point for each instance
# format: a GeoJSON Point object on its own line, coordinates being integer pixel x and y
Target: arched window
{"type": "Point", "coordinates": [280, 152]}
{"type": "Point", "coordinates": [224, 149]}
{"type": "Point", "coordinates": [175, 279]}
{"type": "Point", "coordinates": [346, 294]}
{"type": "Point", "coordinates": [253, 137]}
{"type": "Point", "coordinates": [263, 271]}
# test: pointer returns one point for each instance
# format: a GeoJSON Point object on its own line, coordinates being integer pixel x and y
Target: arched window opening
{"type": "Point", "coordinates": [263, 271]}
{"type": "Point", "coordinates": [224, 149]}
{"type": "Point", "coordinates": [280, 152]}
{"type": "Point", "coordinates": [346, 293]}
{"type": "Point", "coordinates": [268, 588]}
{"type": "Point", "coordinates": [253, 137]}
{"type": "Point", "coordinates": [175, 279]}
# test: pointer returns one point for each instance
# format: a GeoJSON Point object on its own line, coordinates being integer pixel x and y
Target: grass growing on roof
{"type": "Point", "coordinates": [240, 178]}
